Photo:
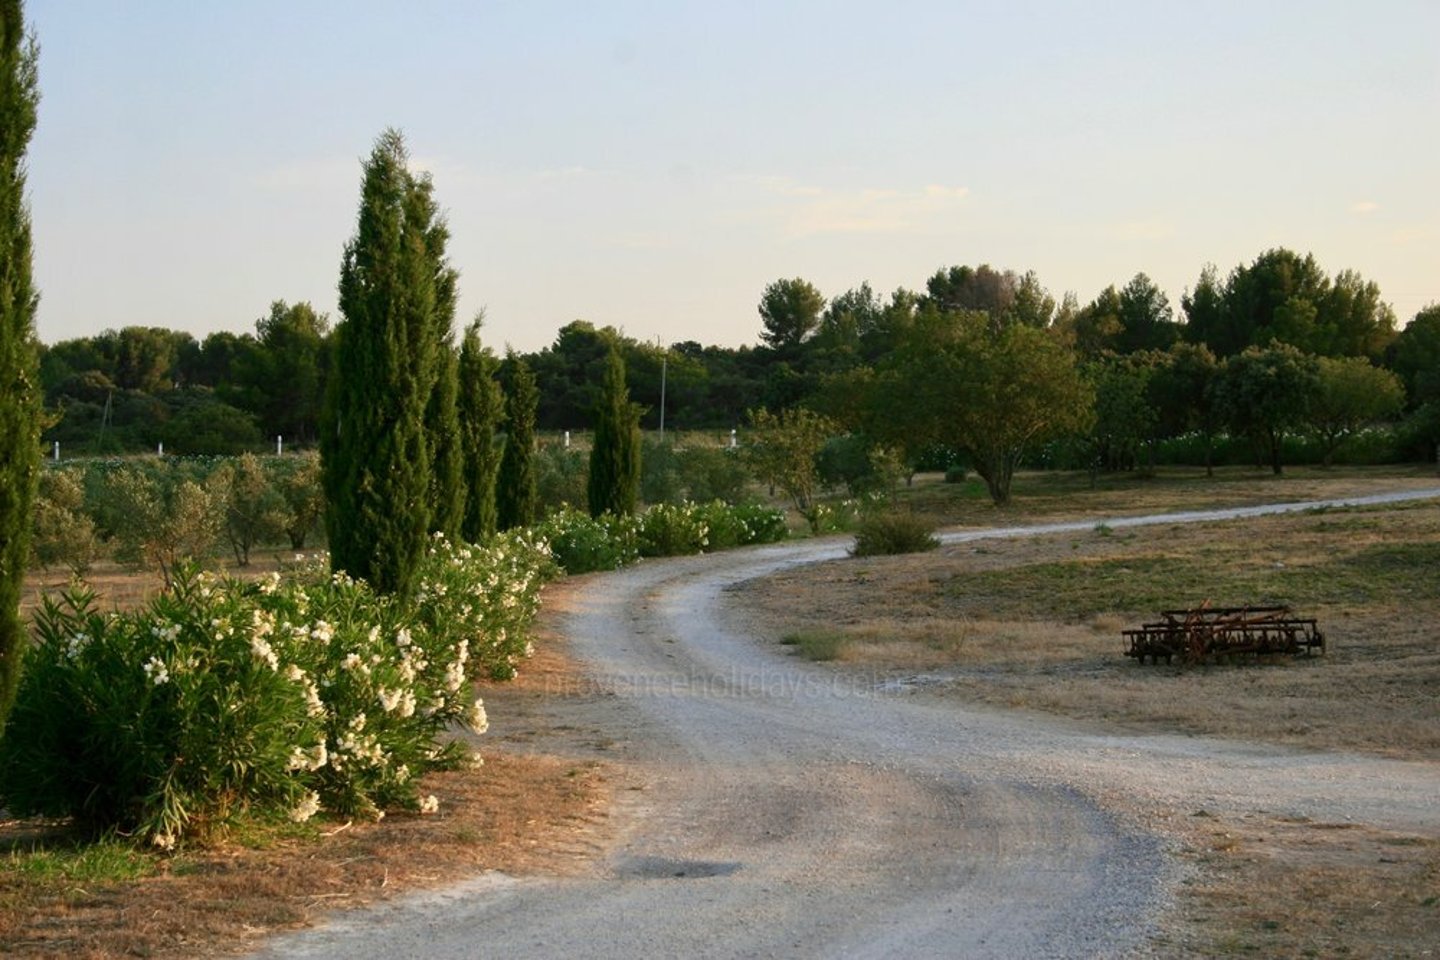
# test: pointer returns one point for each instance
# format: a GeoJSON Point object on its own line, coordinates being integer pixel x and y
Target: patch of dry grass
{"type": "Point", "coordinates": [1036, 623]}
{"type": "Point", "coordinates": [1297, 888]}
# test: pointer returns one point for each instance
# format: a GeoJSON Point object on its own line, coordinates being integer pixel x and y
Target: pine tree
{"type": "Point", "coordinates": [614, 482]}
{"type": "Point", "coordinates": [19, 379]}
{"type": "Point", "coordinates": [375, 453]}
{"type": "Point", "coordinates": [481, 412]}
{"type": "Point", "coordinates": [516, 494]}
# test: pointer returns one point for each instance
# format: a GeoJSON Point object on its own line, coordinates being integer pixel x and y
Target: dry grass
{"type": "Point", "coordinates": [525, 811]}
{"type": "Point", "coordinates": [1036, 624]}
{"type": "Point", "coordinates": [1288, 888]}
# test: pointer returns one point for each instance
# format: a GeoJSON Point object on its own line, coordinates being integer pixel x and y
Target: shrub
{"type": "Point", "coordinates": [834, 517]}
{"type": "Point", "coordinates": [63, 532]}
{"type": "Point", "coordinates": [560, 476]}
{"type": "Point", "coordinates": [163, 522]}
{"type": "Point", "coordinates": [713, 473]}
{"type": "Point", "coordinates": [660, 479]}
{"type": "Point", "coordinates": [893, 532]}
{"type": "Point", "coordinates": [673, 530]}
{"type": "Point", "coordinates": [956, 473]}
{"type": "Point", "coordinates": [581, 543]}
{"type": "Point", "coordinates": [297, 479]}
{"type": "Point", "coordinates": [286, 697]}
{"type": "Point", "coordinates": [742, 525]}
{"type": "Point", "coordinates": [254, 510]}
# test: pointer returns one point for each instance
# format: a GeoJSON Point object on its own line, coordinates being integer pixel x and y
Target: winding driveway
{"type": "Point", "coordinates": [795, 812]}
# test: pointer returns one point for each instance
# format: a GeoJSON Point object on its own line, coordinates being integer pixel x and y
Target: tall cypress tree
{"type": "Point", "coordinates": [614, 482]}
{"type": "Point", "coordinates": [19, 379]}
{"type": "Point", "coordinates": [442, 422]}
{"type": "Point", "coordinates": [517, 496]}
{"type": "Point", "coordinates": [375, 455]}
{"type": "Point", "coordinates": [481, 412]}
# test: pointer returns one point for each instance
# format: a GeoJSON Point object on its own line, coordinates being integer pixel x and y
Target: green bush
{"type": "Point", "coordinates": [297, 694]}
{"type": "Point", "coordinates": [560, 475]}
{"type": "Point", "coordinates": [742, 525]}
{"type": "Point", "coordinates": [673, 530]}
{"type": "Point", "coordinates": [63, 532]}
{"type": "Point", "coordinates": [713, 473]}
{"type": "Point", "coordinates": [660, 465]}
{"type": "Point", "coordinates": [891, 533]}
{"type": "Point", "coordinates": [955, 473]}
{"type": "Point", "coordinates": [581, 543]}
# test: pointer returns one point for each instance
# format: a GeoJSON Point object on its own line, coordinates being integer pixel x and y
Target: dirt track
{"type": "Point", "coordinates": [790, 811]}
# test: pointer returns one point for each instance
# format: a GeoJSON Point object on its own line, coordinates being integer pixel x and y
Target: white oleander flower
{"type": "Point", "coordinates": [306, 808]}
{"type": "Point", "coordinates": [155, 670]}
{"type": "Point", "coordinates": [477, 719]}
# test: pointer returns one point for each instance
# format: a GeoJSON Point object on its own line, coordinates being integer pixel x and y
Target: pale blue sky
{"type": "Point", "coordinates": [654, 165]}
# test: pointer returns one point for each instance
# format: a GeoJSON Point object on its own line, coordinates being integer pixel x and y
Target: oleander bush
{"type": "Point", "coordinates": [283, 697]}
{"type": "Point", "coordinates": [673, 530]}
{"type": "Point", "coordinates": [581, 543]}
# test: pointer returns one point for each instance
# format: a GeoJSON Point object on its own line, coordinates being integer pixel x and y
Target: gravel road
{"type": "Point", "coordinates": [795, 812]}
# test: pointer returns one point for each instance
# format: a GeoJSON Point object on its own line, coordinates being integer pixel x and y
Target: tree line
{"type": "Point", "coordinates": [142, 386]}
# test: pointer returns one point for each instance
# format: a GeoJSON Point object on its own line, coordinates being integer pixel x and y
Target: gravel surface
{"type": "Point", "coordinates": [793, 811]}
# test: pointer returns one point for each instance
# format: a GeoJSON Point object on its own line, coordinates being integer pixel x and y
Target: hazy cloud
{"type": "Point", "coordinates": [1363, 207]}
{"type": "Point", "coordinates": [808, 210]}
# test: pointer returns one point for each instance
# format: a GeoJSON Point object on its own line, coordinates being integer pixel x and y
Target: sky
{"type": "Point", "coordinates": [652, 166]}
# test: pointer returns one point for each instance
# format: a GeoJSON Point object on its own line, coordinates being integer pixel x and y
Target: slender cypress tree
{"type": "Point", "coordinates": [374, 451]}
{"type": "Point", "coordinates": [614, 482]}
{"type": "Point", "coordinates": [516, 494]}
{"type": "Point", "coordinates": [482, 408]}
{"type": "Point", "coordinates": [447, 477]}
{"type": "Point", "coordinates": [19, 379]}
{"type": "Point", "coordinates": [442, 421]}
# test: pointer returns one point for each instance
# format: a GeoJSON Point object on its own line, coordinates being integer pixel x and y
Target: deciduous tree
{"type": "Point", "coordinates": [993, 392]}
{"type": "Point", "coordinates": [1351, 393]}
{"type": "Point", "coordinates": [783, 448]}
{"type": "Point", "coordinates": [1266, 394]}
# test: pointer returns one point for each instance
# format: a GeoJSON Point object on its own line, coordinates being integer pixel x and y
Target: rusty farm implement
{"type": "Point", "coordinates": [1204, 633]}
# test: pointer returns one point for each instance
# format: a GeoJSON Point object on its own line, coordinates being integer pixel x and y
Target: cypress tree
{"type": "Point", "coordinates": [614, 481]}
{"type": "Point", "coordinates": [375, 455]}
{"type": "Point", "coordinates": [481, 412]}
{"type": "Point", "coordinates": [447, 478]}
{"type": "Point", "coordinates": [516, 495]}
{"type": "Point", "coordinates": [19, 378]}
{"type": "Point", "coordinates": [442, 422]}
